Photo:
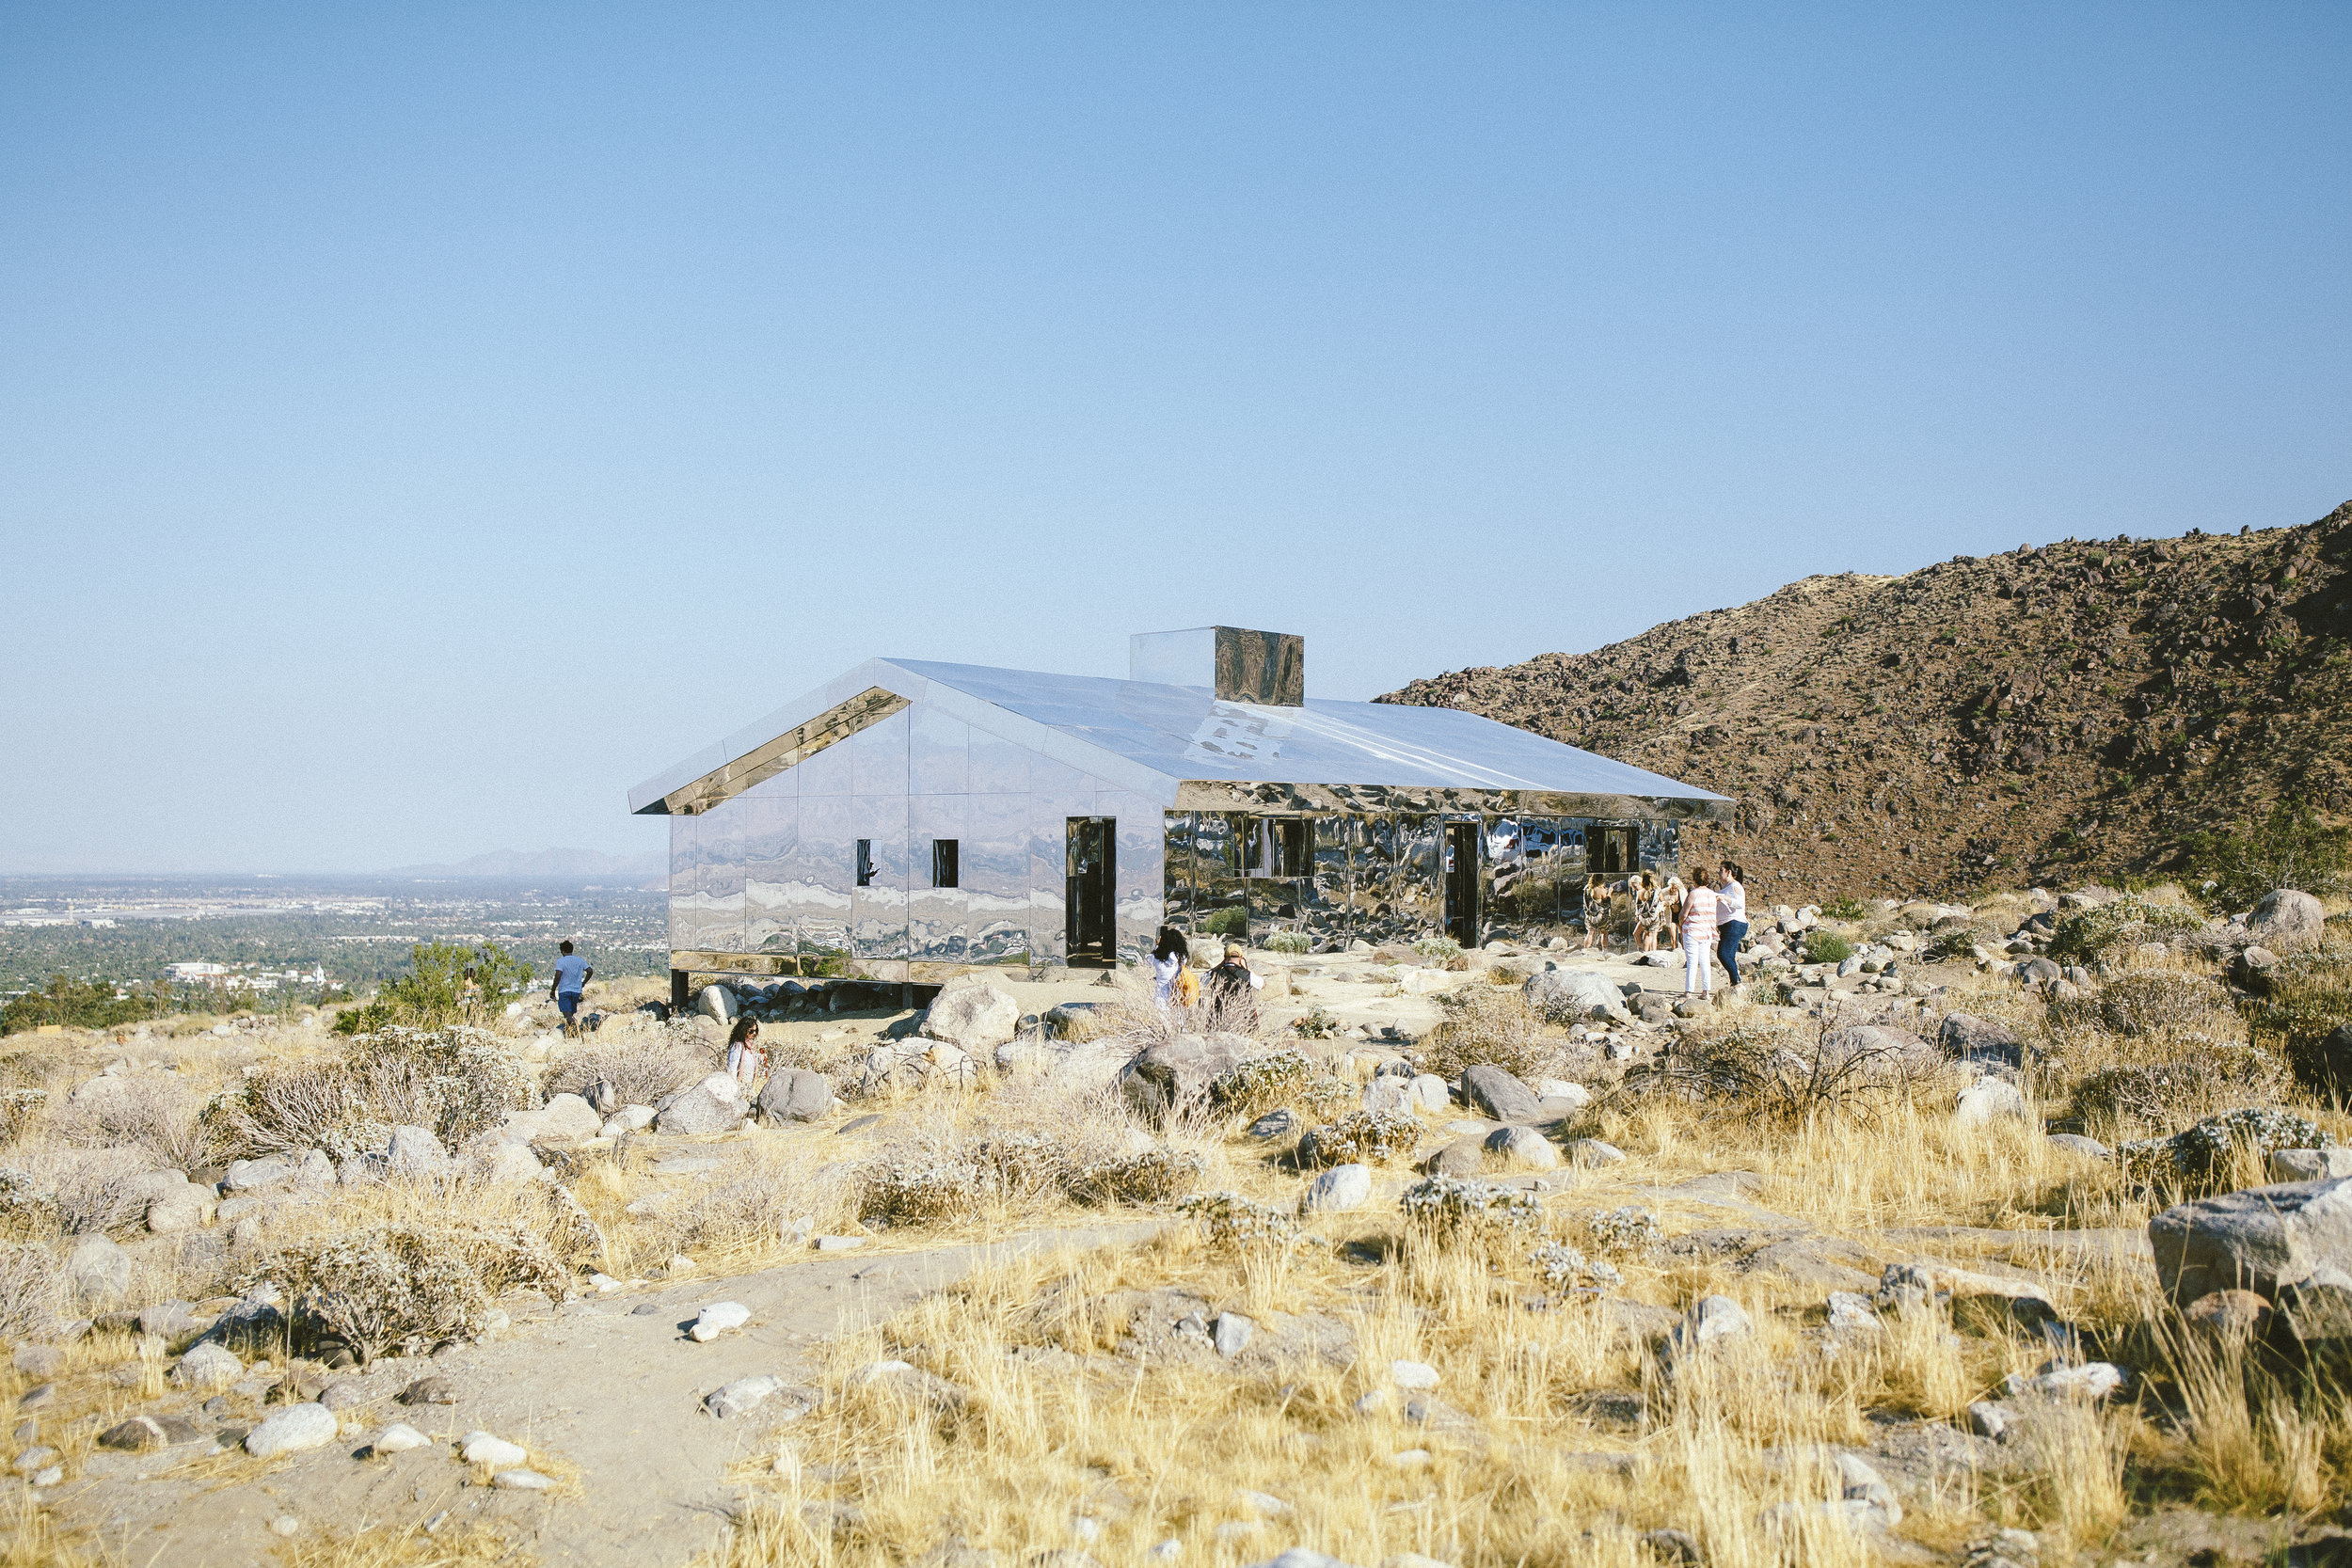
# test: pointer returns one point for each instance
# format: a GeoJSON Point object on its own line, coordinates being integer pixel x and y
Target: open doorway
{"type": "Point", "coordinates": [1091, 933]}
{"type": "Point", "coordinates": [1462, 882]}
{"type": "Point", "coordinates": [1613, 852]}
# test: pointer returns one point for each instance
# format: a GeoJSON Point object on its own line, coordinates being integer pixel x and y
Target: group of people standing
{"type": "Point", "coordinates": [1708, 917]}
{"type": "Point", "coordinates": [1178, 984]}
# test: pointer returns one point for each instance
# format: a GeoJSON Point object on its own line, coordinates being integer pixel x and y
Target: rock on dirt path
{"type": "Point", "coordinates": [608, 1391]}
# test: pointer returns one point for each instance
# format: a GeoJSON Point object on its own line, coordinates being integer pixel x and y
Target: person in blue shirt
{"type": "Point", "coordinates": [572, 975]}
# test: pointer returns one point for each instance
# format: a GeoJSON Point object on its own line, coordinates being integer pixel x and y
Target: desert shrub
{"type": "Point", "coordinates": [1783, 1077]}
{"type": "Point", "coordinates": [1826, 947]}
{"type": "Point", "coordinates": [1027, 1164]}
{"type": "Point", "coordinates": [95, 1194]}
{"type": "Point", "coordinates": [2169, 1094]}
{"type": "Point", "coordinates": [1361, 1138]}
{"type": "Point", "coordinates": [147, 1111]}
{"type": "Point", "coordinates": [1450, 1210]}
{"type": "Point", "coordinates": [1563, 1266]}
{"type": "Point", "coordinates": [458, 1082]}
{"type": "Point", "coordinates": [1442, 949]}
{"type": "Point", "coordinates": [1627, 1232]}
{"type": "Point", "coordinates": [922, 1190]}
{"type": "Point", "coordinates": [2292, 847]}
{"type": "Point", "coordinates": [1290, 941]}
{"type": "Point", "coordinates": [1231, 1223]}
{"type": "Point", "coordinates": [1157, 1175]}
{"type": "Point", "coordinates": [642, 1066]}
{"type": "Point", "coordinates": [27, 1207]}
{"type": "Point", "coordinates": [1231, 922]}
{"type": "Point", "coordinates": [2199, 1154]}
{"type": "Point", "coordinates": [407, 1287]}
{"type": "Point", "coordinates": [32, 1291]}
{"type": "Point", "coordinates": [2133, 1005]}
{"type": "Point", "coordinates": [751, 1207]}
{"type": "Point", "coordinates": [19, 1109]}
{"type": "Point", "coordinates": [1257, 1085]}
{"type": "Point", "coordinates": [2306, 997]}
{"type": "Point", "coordinates": [1317, 1026]}
{"type": "Point", "coordinates": [1957, 941]}
{"type": "Point", "coordinates": [1486, 1028]}
{"type": "Point", "coordinates": [2088, 936]}
{"type": "Point", "coordinates": [1843, 909]}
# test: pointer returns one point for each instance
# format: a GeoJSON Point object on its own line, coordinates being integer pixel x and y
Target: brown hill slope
{"type": "Point", "coordinates": [2071, 711]}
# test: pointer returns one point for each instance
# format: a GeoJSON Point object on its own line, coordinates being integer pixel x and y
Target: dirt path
{"type": "Point", "coordinates": [605, 1392]}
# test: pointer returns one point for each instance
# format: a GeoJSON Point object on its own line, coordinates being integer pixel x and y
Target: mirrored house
{"type": "Point", "coordinates": [910, 820]}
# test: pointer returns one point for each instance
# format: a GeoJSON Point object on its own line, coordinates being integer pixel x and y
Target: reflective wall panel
{"type": "Point", "coordinates": [935, 915]}
{"type": "Point", "coordinates": [995, 855]}
{"type": "Point", "coordinates": [771, 828]}
{"type": "Point", "coordinates": [878, 911]}
{"type": "Point", "coordinates": [685, 877]}
{"type": "Point", "coordinates": [938, 752]}
{"type": "Point", "coordinates": [823, 863]}
{"type": "Point", "coordinates": [878, 758]}
{"type": "Point", "coordinates": [1142, 880]}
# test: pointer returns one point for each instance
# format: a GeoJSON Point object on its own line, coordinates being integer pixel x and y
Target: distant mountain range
{"type": "Point", "coordinates": [569, 865]}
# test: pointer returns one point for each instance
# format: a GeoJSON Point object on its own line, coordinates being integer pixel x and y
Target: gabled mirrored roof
{"type": "Point", "coordinates": [1154, 738]}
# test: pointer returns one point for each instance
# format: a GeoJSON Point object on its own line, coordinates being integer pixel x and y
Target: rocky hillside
{"type": "Point", "coordinates": [2070, 710]}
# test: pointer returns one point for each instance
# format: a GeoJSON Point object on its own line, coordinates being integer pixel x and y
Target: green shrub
{"type": "Point", "coordinates": [1231, 922]}
{"type": "Point", "coordinates": [1843, 909]}
{"type": "Point", "coordinates": [2306, 997]}
{"type": "Point", "coordinates": [1290, 941]}
{"type": "Point", "coordinates": [1361, 1138]}
{"type": "Point", "coordinates": [1317, 1026]}
{"type": "Point", "coordinates": [2291, 846]}
{"type": "Point", "coordinates": [432, 995]}
{"type": "Point", "coordinates": [1442, 949]}
{"type": "Point", "coordinates": [2088, 936]}
{"type": "Point", "coordinates": [1826, 947]}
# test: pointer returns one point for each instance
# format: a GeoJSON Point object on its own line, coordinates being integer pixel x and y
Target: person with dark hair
{"type": "Point", "coordinates": [1596, 910]}
{"type": "Point", "coordinates": [1168, 956]}
{"type": "Point", "coordinates": [1731, 918]}
{"type": "Point", "coordinates": [747, 1064]}
{"type": "Point", "coordinates": [572, 975]}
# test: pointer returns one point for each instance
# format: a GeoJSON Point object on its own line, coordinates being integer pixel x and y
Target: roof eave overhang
{"type": "Point", "coordinates": [1279, 797]}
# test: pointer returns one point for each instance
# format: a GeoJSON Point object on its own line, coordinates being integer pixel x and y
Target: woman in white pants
{"type": "Point", "coordinates": [1700, 907]}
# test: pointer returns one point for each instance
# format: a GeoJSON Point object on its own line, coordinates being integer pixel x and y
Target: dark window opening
{"type": "Point", "coordinates": [1612, 851]}
{"type": "Point", "coordinates": [943, 862]}
{"type": "Point", "coordinates": [1273, 847]}
{"type": "Point", "coordinates": [864, 862]}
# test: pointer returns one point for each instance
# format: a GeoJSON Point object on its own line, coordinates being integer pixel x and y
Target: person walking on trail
{"type": "Point", "coordinates": [747, 1064]}
{"type": "Point", "coordinates": [1699, 910]}
{"type": "Point", "coordinates": [1731, 918]}
{"type": "Point", "coordinates": [572, 975]}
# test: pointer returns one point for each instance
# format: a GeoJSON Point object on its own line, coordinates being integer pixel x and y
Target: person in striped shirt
{"type": "Point", "coordinates": [1699, 910]}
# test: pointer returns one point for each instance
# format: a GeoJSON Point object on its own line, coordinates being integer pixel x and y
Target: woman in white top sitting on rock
{"type": "Point", "coordinates": [1699, 909]}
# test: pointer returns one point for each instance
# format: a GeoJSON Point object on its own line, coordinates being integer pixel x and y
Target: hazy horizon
{"type": "Point", "coordinates": [418, 427]}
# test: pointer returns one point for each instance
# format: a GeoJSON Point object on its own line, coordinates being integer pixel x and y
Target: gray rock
{"type": "Point", "coordinates": [505, 1163]}
{"type": "Point", "coordinates": [1465, 1156]}
{"type": "Point", "coordinates": [170, 1319]}
{"type": "Point", "coordinates": [718, 1003]}
{"type": "Point", "coordinates": [2075, 1143]}
{"type": "Point", "coordinates": [187, 1208]}
{"type": "Point", "coordinates": [2286, 920]}
{"type": "Point", "coordinates": [1233, 1332]}
{"type": "Point", "coordinates": [795, 1093]}
{"type": "Point", "coordinates": [1338, 1190]}
{"type": "Point", "coordinates": [2309, 1164]}
{"type": "Point", "coordinates": [1430, 1092]}
{"type": "Point", "coordinates": [1568, 995]}
{"type": "Point", "coordinates": [484, 1448]}
{"type": "Point", "coordinates": [428, 1390]}
{"type": "Point", "coordinates": [1878, 1050]}
{"type": "Point", "coordinates": [565, 1119]}
{"type": "Point", "coordinates": [1904, 1285]}
{"type": "Point", "coordinates": [713, 1105]}
{"type": "Point", "coordinates": [1709, 1320]}
{"type": "Point", "coordinates": [1969, 1039]}
{"type": "Point", "coordinates": [1591, 1151]}
{"type": "Point", "coordinates": [151, 1432]}
{"type": "Point", "coordinates": [1988, 1419]}
{"type": "Point", "coordinates": [1851, 1313]}
{"type": "Point", "coordinates": [1522, 1149]}
{"type": "Point", "coordinates": [1989, 1099]}
{"type": "Point", "coordinates": [98, 1270]}
{"type": "Point", "coordinates": [1500, 1095]}
{"type": "Point", "coordinates": [344, 1394]}
{"type": "Point", "coordinates": [316, 1170]}
{"type": "Point", "coordinates": [973, 1016]}
{"type": "Point", "coordinates": [1276, 1124]}
{"type": "Point", "coordinates": [1859, 1483]}
{"type": "Point", "coordinates": [1390, 1094]}
{"type": "Point", "coordinates": [2264, 1239]}
{"type": "Point", "coordinates": [743, 1394]}
{"type": "Point", "coordinates": [602, 1097]}
{"type": "Point", "coordinates": [244, 1176]}
{"type": "Point", "coordinates": [38, 1361]}
{"type": "Point", "coordinates": [207, 1365]}
{"type": "Point", "coordinates": [628, 1119]}
{"type": "Point", "coordinates": [416, 1153]}
{"type": "Point", "coordinates": [717, 1318]}
{"type": "Point", "coordinates": [1174, 1074]}
{"type": "Point", "coordinates": [400, 1437]}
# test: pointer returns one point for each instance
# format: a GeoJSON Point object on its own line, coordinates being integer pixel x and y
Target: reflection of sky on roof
{"type": "Point", "coordinates": [1184, 733]}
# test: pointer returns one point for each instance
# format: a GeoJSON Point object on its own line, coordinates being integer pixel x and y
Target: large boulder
{"type": "Point", "coordinates": [1878, 1051]}
{"type": "Point", "coordinates": [2266, 1240]}
{"type": "Point", "coordinates": [415, 1152]}
{"type": "Point", "coordinates": [1174, 1074]}
{"type": "Point", "coordinates": [1969, 1039]}
{"type": "Point", "coordinates": [795, 1093]}
{"type": "Point", "coordinates": [973, 1016]}
{"type": "Point", "coordinates": [714, 1106]}
{"type": "Point", "coordinates": [98, 1270]}
{"type": "Point", "coordinates": [2324, 1065]}
{"type": "Point", "coordinates": [2285, 920]}
{"type": "Point", "coordinates": [1568, 995]}
{"type": "Point", "coordinates": [717, 1002]}
{"type": "Point", "coordinates": [565, 1119]}
{"type": "Point", "coordinates": [1500, 1095]}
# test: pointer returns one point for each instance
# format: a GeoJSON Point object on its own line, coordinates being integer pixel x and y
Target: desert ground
{"type": "Point", "coordinates": [2004, 1233]}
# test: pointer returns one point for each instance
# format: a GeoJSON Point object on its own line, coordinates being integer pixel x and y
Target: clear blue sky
{"type": "Point", "coordinates": [417, 427]}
